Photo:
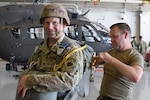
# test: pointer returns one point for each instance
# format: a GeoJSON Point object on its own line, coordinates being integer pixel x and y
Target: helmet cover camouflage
{"type": "Point", "coordinates": [54, 10]}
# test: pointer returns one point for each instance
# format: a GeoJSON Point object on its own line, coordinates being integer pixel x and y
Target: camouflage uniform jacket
{"type": "Point", "coordinates": [42, 78]}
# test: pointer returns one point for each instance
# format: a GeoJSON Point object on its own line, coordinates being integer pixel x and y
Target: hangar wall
{"type": "Point", "coordinates": [145, 26]}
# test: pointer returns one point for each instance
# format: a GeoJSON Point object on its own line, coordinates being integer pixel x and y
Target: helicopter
{"type": "Point", "coordinates": [21, 32]}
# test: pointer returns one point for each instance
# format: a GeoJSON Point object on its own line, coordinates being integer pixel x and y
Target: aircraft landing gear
{"type": "Point", "coordinates": [12, 66]}
{"type": "Point", "coordinates": [16, 67]}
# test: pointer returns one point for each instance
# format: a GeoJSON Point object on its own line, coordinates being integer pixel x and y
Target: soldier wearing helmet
{"type": "Point", "coordinates": [41, 80]}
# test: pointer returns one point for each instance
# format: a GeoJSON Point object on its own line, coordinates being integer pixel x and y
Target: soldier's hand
{"type": "Point", "coordinates": [105, 57]}
{"type": "Point", "coordinates": [97, 60]}
{"type": "Point", "coordinates": [21, 88]}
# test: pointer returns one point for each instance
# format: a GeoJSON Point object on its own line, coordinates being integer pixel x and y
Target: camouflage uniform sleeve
{"type": "Point", "coordinates": [67, 77]}
{"type": "Point", "coordinates": [32, 63]}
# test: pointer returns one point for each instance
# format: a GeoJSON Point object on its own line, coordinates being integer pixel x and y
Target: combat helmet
{"type": "Point", "coordinates": [54, 10]}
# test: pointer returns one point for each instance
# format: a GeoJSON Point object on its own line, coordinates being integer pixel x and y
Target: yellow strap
{"type": "Point", "coordinates": [67, 56]}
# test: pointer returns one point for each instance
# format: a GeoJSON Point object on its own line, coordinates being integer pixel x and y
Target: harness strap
{"type": "Point", "coordinates": [67, 56]}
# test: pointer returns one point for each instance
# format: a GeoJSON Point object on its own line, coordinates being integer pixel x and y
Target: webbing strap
{"type": "Point", "coordinates": [67, 56]}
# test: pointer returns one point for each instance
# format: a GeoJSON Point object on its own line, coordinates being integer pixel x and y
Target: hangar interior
{"type": "Point", "coordinates": [106, 12]}
{"type": "Point", "coordinates": [134, 12]}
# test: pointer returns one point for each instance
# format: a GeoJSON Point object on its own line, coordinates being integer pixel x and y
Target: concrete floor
{"type": "Point", "coordinates": [8, 85]}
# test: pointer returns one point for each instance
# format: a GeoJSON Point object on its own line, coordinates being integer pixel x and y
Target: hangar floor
{"type": "Point", "coordinates": [8, 85]}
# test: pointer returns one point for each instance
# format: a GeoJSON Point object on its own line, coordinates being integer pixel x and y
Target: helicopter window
{"type": "Point", "coordinates": [89, 34]}
{"type": "Point", "coordinates": [106, 37]}
{"type": "Point", "coordinates": [36, 32]}
{"type": "Point", "coordinates": [100, 27]}
{"type": "Point", "coordinates": [103, 32]}
{"type": "Point", "coordinates": [71, 31]}
{"type": "Point", "coordinates": [16, 32]}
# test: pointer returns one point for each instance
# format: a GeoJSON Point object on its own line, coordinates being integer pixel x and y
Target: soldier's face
{"type": "Point", "coordinates": [117, 38]}
{"type": "Point", "coordinates": [53, 27]}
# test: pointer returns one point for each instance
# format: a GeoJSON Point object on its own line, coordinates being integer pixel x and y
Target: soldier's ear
{"type": "Point", "coordinates": [64, 24]}
{"type": "Point", "coordinates": [126, 34]}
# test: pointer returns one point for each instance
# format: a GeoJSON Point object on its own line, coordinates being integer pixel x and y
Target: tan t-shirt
{"type": "Point", "coordinates": [114, 84]}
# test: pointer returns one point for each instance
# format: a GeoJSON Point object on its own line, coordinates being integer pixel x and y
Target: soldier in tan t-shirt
{"type": "Point", "coordinates": [123, 65]}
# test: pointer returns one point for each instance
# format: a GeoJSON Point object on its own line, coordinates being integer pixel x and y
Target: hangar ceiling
{"type": "Point", "coordinates": [130, 5]}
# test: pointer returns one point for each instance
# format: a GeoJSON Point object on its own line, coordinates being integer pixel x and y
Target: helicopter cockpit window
{"type": "Point", "coordinates": [105, 36]}
{"type": "Point", "coordinates": [103, 32]}
{"type": "Point", "coordinates": [16, 32]}
{"type": "Point", "coordinates": [36, 32]}
{"type": "Point", "coordinates": [71, 31]}
{"type": "Point", "coordinates": [89, 34]}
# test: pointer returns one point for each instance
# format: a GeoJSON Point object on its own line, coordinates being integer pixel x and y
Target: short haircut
{"type": "Point", "coordinates": [122, 27]}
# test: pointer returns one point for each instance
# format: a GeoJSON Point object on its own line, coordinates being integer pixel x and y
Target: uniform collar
{"type": "Point", "coordinates": [55, 47]}
{"type": "Point", "coordinates": [60, 39]}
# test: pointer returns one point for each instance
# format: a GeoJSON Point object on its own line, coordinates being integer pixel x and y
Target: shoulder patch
{"type": "Point", "coordinates": [70, 63]}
